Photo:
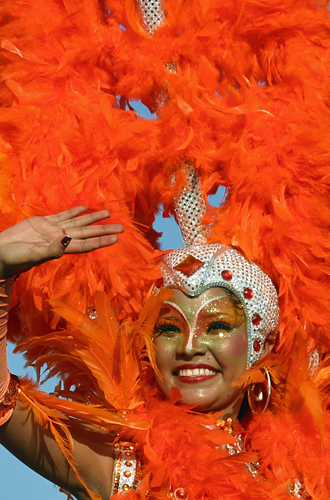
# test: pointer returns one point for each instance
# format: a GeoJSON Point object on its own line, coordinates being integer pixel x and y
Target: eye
{"type": "Point", "coordinates": [166, 329]}
{"type": "Point", "coordinates": [218, 325]}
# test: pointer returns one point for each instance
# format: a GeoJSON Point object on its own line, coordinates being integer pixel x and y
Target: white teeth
{"type": "Point", "coordinates": [196, 372]}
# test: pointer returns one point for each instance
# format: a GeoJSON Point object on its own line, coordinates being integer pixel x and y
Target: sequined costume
{"type": "Point", "coordinates": [241, 91]}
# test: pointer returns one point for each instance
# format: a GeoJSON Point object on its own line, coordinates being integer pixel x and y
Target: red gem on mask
{"type": "Point", "coordinates": [189, 265]}
{"type": "Point", "coordinates": [256, 345]}
{"type": "Point", "coordinates": [248, 293]}
{"type": "Point", "coordinates": [181, 494]}
{"type": "Point", "coordinates": [227, 275]}
{"type": "Point", "coordinates": [256, 319]}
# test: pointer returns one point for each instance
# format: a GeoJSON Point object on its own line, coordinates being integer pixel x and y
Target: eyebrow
{"type": "Point", "coordinates": [172, 318]}
{"type": "Point", "coordinates": [215, 313]}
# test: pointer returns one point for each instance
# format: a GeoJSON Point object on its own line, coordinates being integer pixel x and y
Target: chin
{"type": "Point", "coordinates": [202, 404]}
{"type": "Point", "coordinates": [208, 400]}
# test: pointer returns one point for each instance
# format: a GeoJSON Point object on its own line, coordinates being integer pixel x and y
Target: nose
{"type": "Point", "coordinates": [193, 345]}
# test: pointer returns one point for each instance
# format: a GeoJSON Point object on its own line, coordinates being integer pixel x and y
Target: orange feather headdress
{"type": "Point", "coordinates": [248, 104]}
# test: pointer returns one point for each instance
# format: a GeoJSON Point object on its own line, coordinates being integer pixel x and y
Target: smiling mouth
{"type": "Point", "coordinates": [196, 372]}
{"type": "Point", "coordinates": [194, 375]}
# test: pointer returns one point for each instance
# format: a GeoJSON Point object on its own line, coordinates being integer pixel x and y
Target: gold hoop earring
{"type": "Point", "coordinates": [258, 394]}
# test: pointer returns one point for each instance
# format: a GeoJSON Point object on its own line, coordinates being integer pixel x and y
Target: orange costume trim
{"type": "Point", "coordinates": [248, 103]}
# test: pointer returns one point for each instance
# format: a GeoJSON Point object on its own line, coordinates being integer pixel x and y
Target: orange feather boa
{"type": "Point", "coordinates": [181, 448]}
{"type": "Point", "coordinates": [248, 102]}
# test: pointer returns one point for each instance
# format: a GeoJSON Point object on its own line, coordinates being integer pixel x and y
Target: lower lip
{"type": "Point", "coordinates": [195, 380]}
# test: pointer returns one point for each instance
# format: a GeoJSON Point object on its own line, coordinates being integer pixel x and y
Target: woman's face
{"type": "Point", "coordinates": [201, 348]}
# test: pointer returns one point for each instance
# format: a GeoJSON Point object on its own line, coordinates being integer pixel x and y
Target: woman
{"type": "Point", "coordinates": [204, 340]}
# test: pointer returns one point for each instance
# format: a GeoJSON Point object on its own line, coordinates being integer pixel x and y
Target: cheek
{"type": "Point", "coordinates": [238, 345]}
{"type": "Point", "coordinates": [165, 351]}
{"type": "Point", "coordinates": [230, 350]}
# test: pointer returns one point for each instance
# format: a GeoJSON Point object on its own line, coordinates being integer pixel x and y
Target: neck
{"type": "Point", "coordinates": [231, 409]}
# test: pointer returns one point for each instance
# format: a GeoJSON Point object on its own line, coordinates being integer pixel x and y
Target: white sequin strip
{"type": "Point", "coordinates": [238, 447]}
{"type": "Point", "coordinates": [297, 490]}
{"type": "Point", "coordinates": [127, 466]}
{"type": "Point", "coordinates": [314, 361]}
{"type": "Point", "coordinates": [152, 14]}
{"type": "Point", "coordinates": [189, 210]}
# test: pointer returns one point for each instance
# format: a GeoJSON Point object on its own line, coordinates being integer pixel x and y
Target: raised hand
{"type": "Point", "coordinates": [40, 239]}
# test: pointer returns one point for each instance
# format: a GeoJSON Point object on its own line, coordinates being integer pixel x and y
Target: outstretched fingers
{"type": "Point", "coordinates": [86, 232]}
{"type": "Point", "coordinates": [75, 240]}
{"type": "Point", "coordinates": [84, 220]}
{"type": "Point", "coordinates": [67, 244]}
{"type": "Point", "coordinates": [89, 238]}
{"type": "Point", "coordinates": [39, 239]}
{"type": "Point", "coordinates": [90, 244]}
{"type": "Point", "coordinates": [67, 214]}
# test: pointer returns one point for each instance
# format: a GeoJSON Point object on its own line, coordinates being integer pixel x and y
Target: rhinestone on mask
{"type": "Point", "coordinates": [257, 345]}
{"type": "Point", "coordinates": [248, 293]}
{"type": "Point", "coordinates": [256, 319]}
{"type": "Point", "coordinates": [189, 265]}
{"type": "Point", "coordinates": [227, 275]}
